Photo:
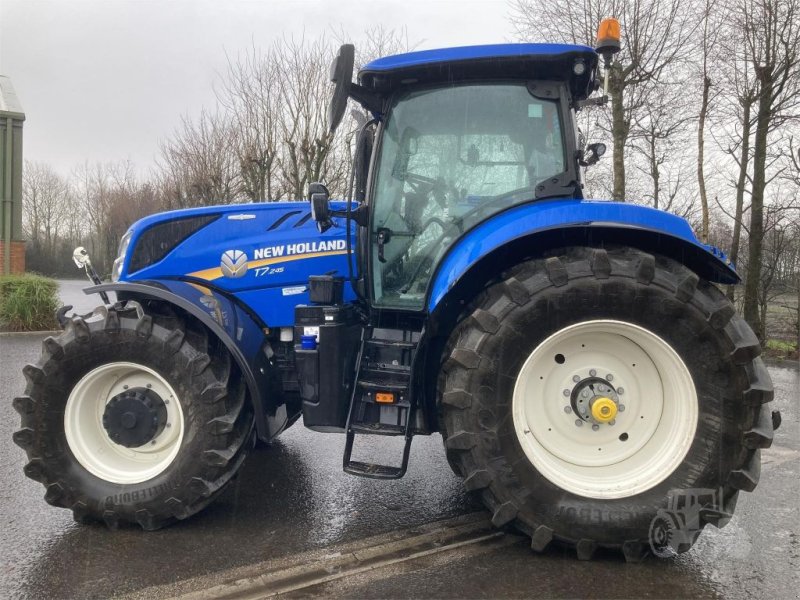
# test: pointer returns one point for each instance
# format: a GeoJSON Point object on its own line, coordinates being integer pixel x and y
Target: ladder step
{"type": "Point", "coordinates": [390, 343]}
{"type": "Point", "coordinates": [377, 429]}
{"type": "Point", "coordinates": [383, 386]}
{"type": "Point", "coordinates": [372, 471]}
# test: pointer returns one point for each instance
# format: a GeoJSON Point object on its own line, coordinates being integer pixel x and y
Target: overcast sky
{"type": "Point", "coordinates": [107, 79]}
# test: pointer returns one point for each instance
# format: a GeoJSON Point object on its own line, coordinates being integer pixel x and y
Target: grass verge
{"type": "Point", "coordinates": [28, 302]}
{"type": "Point", "coordinates": [780, 349]}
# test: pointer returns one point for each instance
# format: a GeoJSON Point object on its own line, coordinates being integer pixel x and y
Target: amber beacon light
{"type": "Point", "coordinates": [608, 38]}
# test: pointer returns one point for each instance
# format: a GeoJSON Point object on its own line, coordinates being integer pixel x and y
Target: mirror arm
{"type": "Point", "coordinates": [366, 98]}
{"type": "Point", "coordinates": [598, 101]}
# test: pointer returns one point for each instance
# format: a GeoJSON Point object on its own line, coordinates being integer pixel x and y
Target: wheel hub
{"type": "Point", "coordinates": [604, 409]}
{"type": "Point", "coordinates": [135, 417]}
{"type": "Point", "coordinates": [594, 400]}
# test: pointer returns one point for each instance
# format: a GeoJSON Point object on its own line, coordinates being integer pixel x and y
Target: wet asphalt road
{"type": "Point", "coordinates": [293, 497]}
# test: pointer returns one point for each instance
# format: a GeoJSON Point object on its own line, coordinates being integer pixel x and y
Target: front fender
{"type": "Point", "coordinates": [533, 228]}
{"type": "Point", "coordinates": [241, 333]}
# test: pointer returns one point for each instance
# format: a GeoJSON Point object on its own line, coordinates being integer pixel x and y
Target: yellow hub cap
{"type": "Point", "coordinates": [604, 410]}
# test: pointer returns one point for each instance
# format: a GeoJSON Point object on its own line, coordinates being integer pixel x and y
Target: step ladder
{"type": "Point", "coordinates": [382, 402]}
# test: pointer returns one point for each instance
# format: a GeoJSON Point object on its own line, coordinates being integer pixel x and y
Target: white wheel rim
{"type": "Point", "coordinates": [658, 414]}
{"type": "Point", "coordinates": [91, 444]}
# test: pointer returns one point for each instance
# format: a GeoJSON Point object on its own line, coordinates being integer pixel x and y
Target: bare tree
{"type": "Point", "coordinates": [198, 165]}
{"type": "Point", "coordinates": [771, 30]}
{"type": "Point", "coordinates": [45, 203]}
{"type": "Point", "coordinates": [250, 95]}
{"type": "Point", "coordinates": [656, 36]}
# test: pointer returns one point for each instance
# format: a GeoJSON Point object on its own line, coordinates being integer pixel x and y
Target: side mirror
{"type": "Point", "coordinates": [595, 151]}
{"type": "Point", "coordinates": [342, 77]}
{"type": "Point", "coordinates": [320, 210]}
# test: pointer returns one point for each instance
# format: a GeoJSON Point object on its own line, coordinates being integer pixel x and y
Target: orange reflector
{"type": "Point", "coordinates": [384, 397]}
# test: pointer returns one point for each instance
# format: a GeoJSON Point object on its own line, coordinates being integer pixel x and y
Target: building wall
{"type": "Point", "coordinates": [17, 256]}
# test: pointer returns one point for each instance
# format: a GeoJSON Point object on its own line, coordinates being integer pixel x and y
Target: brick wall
{"type": "Point", "coordinates": [17, 256]}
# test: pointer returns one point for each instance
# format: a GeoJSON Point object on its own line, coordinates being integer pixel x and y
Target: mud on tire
{"type": "Point", "coordinates": [217, 418]}
{"type": "Point", "coordinates": [535, 299]}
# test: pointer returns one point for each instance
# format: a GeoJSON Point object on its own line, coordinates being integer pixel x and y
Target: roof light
{"type": "Point", "coordinates": [608, 38]}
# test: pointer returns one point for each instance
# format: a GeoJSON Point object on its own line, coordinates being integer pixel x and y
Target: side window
{"type": "Point", "coordinates": [451, 157]}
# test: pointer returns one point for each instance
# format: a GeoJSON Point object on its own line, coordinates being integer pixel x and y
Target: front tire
{"type": "Point", "coordinates": [695, 396]}
{"type": "Point", "coordinates": [130, 417]}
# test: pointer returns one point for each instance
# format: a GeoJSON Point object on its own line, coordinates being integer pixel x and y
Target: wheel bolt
{"type": "Point", "coordinates": [567, 409]}
{"type": "Point", "coordinates": [593, 372]}
{"type": "Point", "coordinates": [124, 387]}
{"type": "Point", "coordinates": [610, 377]}
{"type": "Point", "coordinates": [567, 392]}
{"type": "Point", "coordinates": [576, 378]}
{"type": "Point", "coordinates": [585, 393]}
{"type": "Point", "coordinates": [620, 391]}
{"type": "Point", "coordinates": [169, 424]}
{"type": "Point", "coordinates": [621, 407]}
{"type": "Point", "coordinates": [595, 427]}
{"type": "Point", "coordinates": [578, 422]}
{"type": "Point", "coordinates": [612, 421]}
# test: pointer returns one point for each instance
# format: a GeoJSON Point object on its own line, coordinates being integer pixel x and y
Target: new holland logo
{"type": "Point", "coordinates": [233, 264]}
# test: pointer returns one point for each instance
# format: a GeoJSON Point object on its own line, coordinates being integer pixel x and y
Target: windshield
{"type": "Point", "coordinates": [449, 158]}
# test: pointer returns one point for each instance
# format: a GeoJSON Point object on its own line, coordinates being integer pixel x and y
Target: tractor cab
{"type": "Point", "coordinates": [458, 135]}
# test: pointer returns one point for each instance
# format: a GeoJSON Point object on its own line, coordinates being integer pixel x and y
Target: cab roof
{"type": "Point", "coordinates": [488, 62]}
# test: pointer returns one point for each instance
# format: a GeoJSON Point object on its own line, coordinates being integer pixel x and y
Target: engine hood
{"type": "Point", "coordinates": [235, 247]}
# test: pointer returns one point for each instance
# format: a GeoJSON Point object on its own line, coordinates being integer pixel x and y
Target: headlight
{"type": "Point", "coordinates": [123, 248]}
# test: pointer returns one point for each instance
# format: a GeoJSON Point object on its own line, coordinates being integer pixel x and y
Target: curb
{"type": "Point", "coordinates": [28, 333]}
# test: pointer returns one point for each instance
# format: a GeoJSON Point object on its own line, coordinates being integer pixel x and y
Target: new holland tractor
{"type": "Point", "coordinates": [576, 355]}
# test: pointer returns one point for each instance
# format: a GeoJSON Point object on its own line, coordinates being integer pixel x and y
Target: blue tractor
{"type": "Point", "coordinates": [576, 355]}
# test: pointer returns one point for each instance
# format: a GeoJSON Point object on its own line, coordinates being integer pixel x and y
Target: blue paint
{"type": "Point", "coordinates": [467, 53]}
{"type": "Point", "coordinates": [271, 290]}
{"type": "Point", "coordinates": [540, 216]}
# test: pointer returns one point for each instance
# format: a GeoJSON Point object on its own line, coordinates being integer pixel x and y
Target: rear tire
{"type": "Point", "coordinates": [729, 390]}
{"type": "Point", "coordinates": [202, 429]}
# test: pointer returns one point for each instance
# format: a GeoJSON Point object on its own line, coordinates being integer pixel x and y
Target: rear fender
{"type": "Point", "coordinates": [240, 331]}
{"type": "Point", "coordinates": [532, 229]}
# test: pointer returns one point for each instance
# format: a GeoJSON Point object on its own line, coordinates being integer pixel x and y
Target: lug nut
{"type": "Point", "coordinates": [621, 407]}
{"type": "Point", "coordinates": [567, 392]}
{"type": "Point", "coordinates": [595, 427]}
{"type": "Point", "coordinates": [610, 377]}
{"type": "Point", "coordinates": [592, 372]}
{"type": "Point", "coordinates": [576, 378]}
{"type": "Point", "coordinates": [567, 409]}
{"type": "Point", "coordinates": [578, 422]}
{"type": "Point", "coordinates": [620, 391]}
{"type": "Point", "coordinates": [612, 421]}
{"type": "Point", "coordinates": [585, 393]}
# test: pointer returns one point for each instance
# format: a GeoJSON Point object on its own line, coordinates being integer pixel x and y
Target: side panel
{"type": "Point", "coordinates": [239, 330]}
{"type": "Point", "coordinates": [261, 253]}
{"type": "Point", "coordinates": [566, 222]}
